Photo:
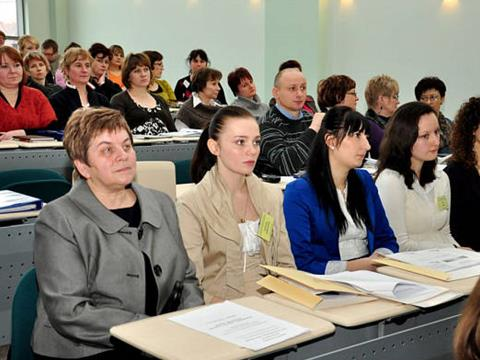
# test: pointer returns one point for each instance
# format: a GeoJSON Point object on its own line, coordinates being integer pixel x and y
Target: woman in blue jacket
{"type": "Point", "coordinates": [334, 216]}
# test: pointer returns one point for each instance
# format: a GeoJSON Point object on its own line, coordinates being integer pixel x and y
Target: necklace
{"type": "Point", "coordinates": [243, 218]}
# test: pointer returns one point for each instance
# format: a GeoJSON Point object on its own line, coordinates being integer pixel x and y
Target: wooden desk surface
{"type": "Point", "coordinates": [463, 286]}
{"type": "Point", "coordinates": [165, 339]}
{"type": "Point", "coordinates": [361, 313]}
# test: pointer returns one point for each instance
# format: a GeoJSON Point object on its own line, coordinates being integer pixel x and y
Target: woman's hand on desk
{"type": "Point", "coordinates": [9, 134]}
{"type": "Point", "coordinates": [366, 263]}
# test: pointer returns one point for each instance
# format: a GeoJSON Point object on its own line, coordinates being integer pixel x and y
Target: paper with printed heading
{"type": "Point", "coordinates": [240, 325]}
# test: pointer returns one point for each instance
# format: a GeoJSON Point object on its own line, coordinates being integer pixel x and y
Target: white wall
{"type": "Point", "coordinates": [408, 40]}
{"type": "Point", "coordinates": [231, 31]}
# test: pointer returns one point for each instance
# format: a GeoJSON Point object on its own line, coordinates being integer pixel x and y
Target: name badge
{"type": "Point", "coordinates": [265, 229]}
{"type": "Point", "coordinates": [186, 83]}
{"type": "Point", "coordinates": [442, 203]}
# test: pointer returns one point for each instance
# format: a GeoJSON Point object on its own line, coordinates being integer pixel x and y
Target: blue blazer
{"type": "Point", "coordinates": [313, 233]}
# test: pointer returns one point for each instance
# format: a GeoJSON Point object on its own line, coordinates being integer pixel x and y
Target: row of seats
{"type": "Point", "coordinates": [49, 185]}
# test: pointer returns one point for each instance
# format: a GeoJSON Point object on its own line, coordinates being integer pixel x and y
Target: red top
{"type": "Point", "coordinates": [32, 111]}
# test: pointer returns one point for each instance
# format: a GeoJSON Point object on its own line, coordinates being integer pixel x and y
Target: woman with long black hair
{"type": "Point", "coordinates": [334, 216]}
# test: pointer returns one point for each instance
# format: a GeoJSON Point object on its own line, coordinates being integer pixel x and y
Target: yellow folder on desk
{"type": "Point", "coordinates": [436, 274]}
{"type": "Point", "coordinates": [306, 279]}
{"type": "Point", "coordinates": [289, 291]}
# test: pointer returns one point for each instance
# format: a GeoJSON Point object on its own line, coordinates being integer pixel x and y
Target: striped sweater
{"type": "Point", "coordinates": [285, 143]}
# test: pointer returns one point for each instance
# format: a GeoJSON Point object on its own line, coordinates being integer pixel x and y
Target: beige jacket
{"type": "Point", "coordinates": [213, 241]}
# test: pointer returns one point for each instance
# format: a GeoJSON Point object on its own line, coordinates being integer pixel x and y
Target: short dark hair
{"type": "Point", "coordinates": [290, 64]}
{"type": "Point", "coordinates": [100, 49]}
{"type": "Point", "coordinates": [153, 56]}
{"type": "Point", "coordinates": [339, 122]}
{"type": "Point", "coordinates": [130, 63]}
{"type": "Point", "coordinates": [73, 44]}
{"type": "Point", "coordinates": [3, 35]}
{"type": "Point", "coordinates": [235, 78]}
{"type": "Point", "coordinates": [430, 82]}
{"type": "Point", "coordinates": [197, 53]}
{"type": "Point", "coordinates": [467, 121]}
{"type": "Point", "coordinates": [200, 79]}
{"type": "Point", "coordinates": [401, 133]}
{"type": "Point", "coordinates": [203, 159]}
{"type": "Point", "coordinates": [333, 90]}
{"type": "Point", "coordinates": [50, 44]}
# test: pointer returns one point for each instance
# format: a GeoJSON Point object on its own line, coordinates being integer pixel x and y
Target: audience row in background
{"type": "Point", "coordinates": [381, 93]}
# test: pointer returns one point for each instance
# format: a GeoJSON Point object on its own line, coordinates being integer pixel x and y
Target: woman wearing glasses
{"type": "Point", "coordinates": [381, 95]}
{"type": "Point", "coordinates": [336, 90]}
{"type": "Point", "coordinates": [431, 91]}
{"type": "Point", "coordinates": [415, 195]}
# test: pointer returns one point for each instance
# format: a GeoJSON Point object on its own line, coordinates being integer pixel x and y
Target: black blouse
{"type": "Point", "coordinates": [465, 207]}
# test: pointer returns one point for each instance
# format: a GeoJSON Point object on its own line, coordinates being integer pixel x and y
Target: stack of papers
{"type": "Point", "coordinates": [240, 325]}
{"type": "Point", "coordinates": [444, 264]}
{"type": "Point", "coordinates": [360, 283]}
{"type": "Point", "coordinates": [11, 202]}
{"type": "Point", "coordinates": [33, 138]}
{"type": "Point", "coordinates": [391, 288]}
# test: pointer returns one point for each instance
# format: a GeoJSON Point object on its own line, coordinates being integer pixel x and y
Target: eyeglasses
{"type": "Point", "coordinates": [353, 93]}
{"type": "Point", "coordinates": [394, 96]}
{"type": "Point", "coordinates": [430, 98]}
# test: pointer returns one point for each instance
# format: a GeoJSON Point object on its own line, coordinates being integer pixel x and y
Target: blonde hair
{"type": "Point", "coordinates": [24, 40]}
{"type": "Point", "coordinates": [381, 85]}
{"type": "Point", "coordinates": [72, 55]}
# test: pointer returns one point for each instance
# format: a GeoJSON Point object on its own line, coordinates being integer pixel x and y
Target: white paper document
{"type": "Point", "coordinates": [240, 325]}
{"type": "Point", "coordinates": [388, 287]}
{"type": "Point", "coordinates": [457, 263]}
{"type": "Point", "coordinates": [444, 259]}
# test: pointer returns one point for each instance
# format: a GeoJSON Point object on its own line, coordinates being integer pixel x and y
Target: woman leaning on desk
{"type": "Point", "coordinates": [416, 195]}
{"type": "Point", "coordinates": [221, 217]}
{"type": "Point", "coordinates": [334, 216]}
{"type": "Point", "coordinates": [22, 108]}
{"type": "Point", "coordinates": [463, 171]}
{"type": "Point", "coordinates": [145, 113]}
{"type": "Point", "coordinates": [108, 252]}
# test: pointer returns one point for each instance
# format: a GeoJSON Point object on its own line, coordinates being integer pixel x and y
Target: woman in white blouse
{"type": "Point", "coordinates": [415, 195]}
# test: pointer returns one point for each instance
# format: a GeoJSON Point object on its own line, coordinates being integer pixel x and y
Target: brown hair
{"type": "Point", "coordinates": [87, 123]}
{"type": "Point", "coordinates": [381, 85]}
{"type": "Point", "coordinates": [130, 63]}
{"type": "Point", "coordinates": [333, 90]}
{"type": "Point", "coordinates": [235, 78]}
{"type": "Point", "coordinates": [34, 55]}
{"type": "Point", "coordinates": [73, 54]}
{"type": "Point", "coordinates": [466, 123]}
{"type": "Point", "coordinates": [10, 52]}
{"type": "Point", "coordinates": [466, 340]}
{"type": "Point", "coordinates": [202, 76]}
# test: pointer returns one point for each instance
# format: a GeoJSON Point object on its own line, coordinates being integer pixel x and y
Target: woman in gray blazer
{"type": "Point", "coordinates": [108, 252]}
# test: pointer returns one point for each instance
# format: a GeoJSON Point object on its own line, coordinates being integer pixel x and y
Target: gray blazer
{"type": "Point", "coordinates": [91, 271]}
